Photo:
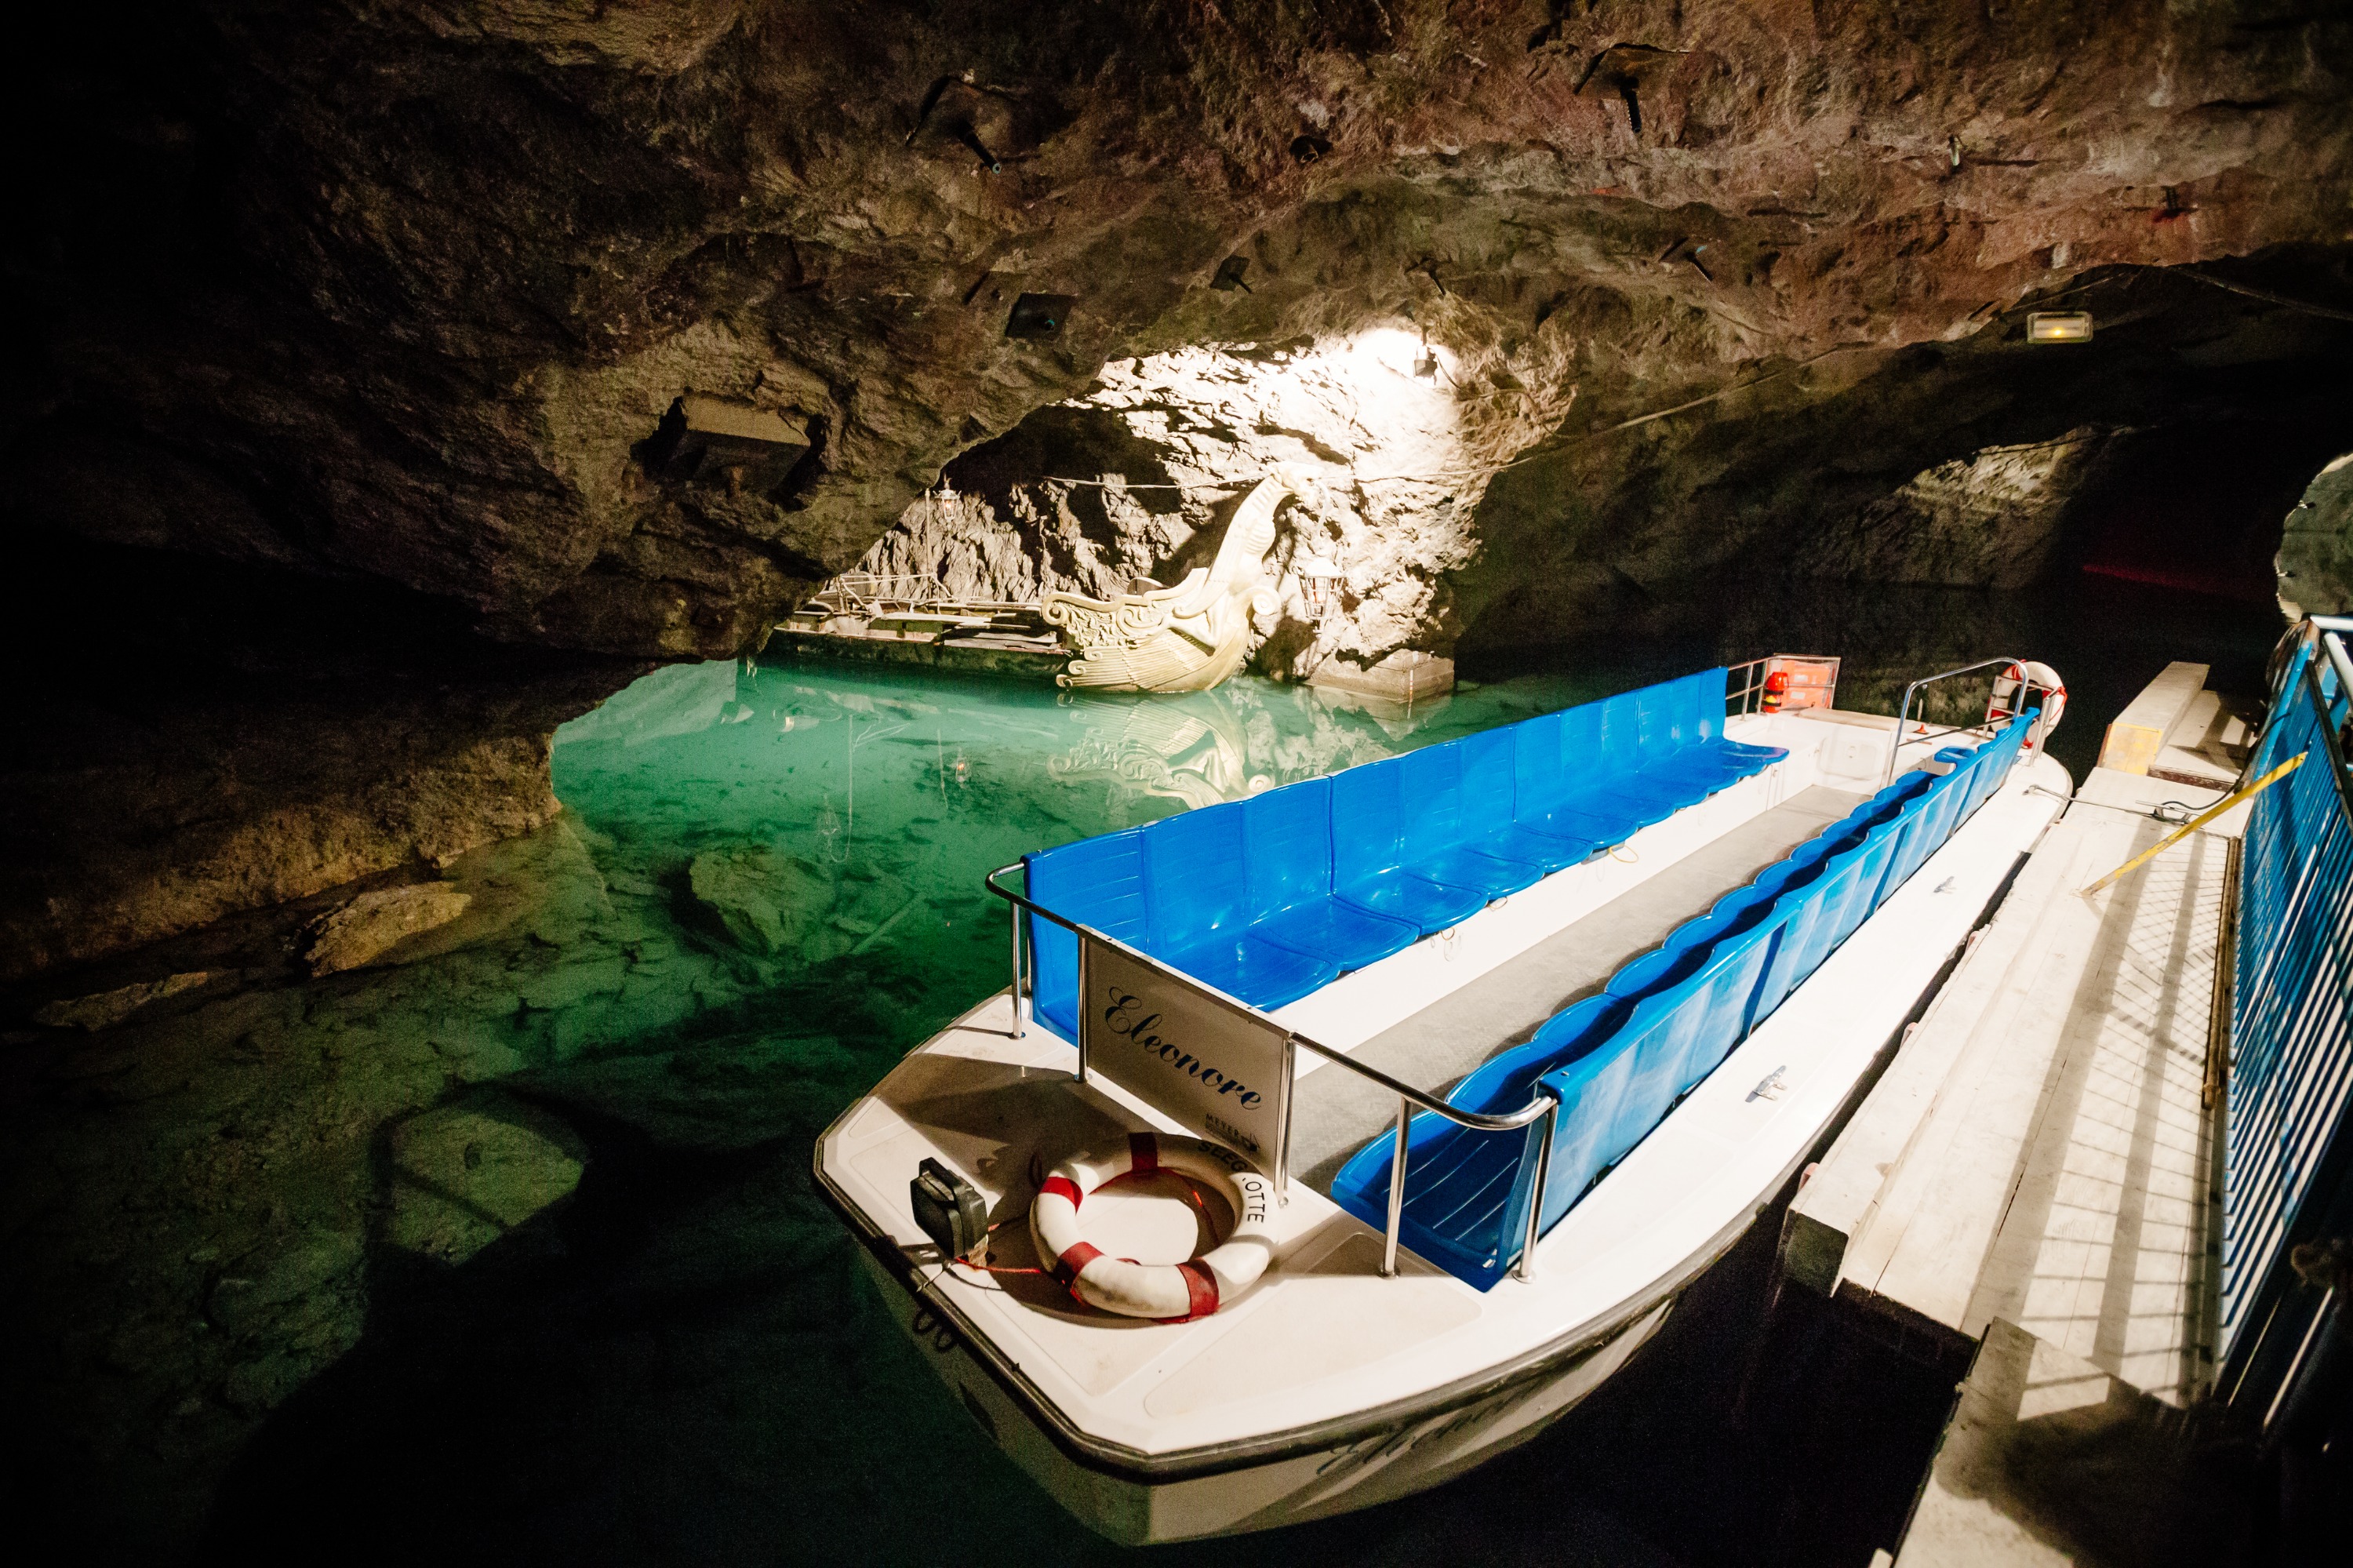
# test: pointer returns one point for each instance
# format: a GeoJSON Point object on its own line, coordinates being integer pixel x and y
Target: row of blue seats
{"type": "Point", "coordinates": [1271, 898]}
{"type": "Point", "coordinates": [1619, 1060]}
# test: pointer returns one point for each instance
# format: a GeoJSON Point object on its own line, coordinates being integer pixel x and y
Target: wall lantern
{"type": "Point", "coordinates": [2059, 326]}
{"type": "Point", "coordinates": [1318, 577]}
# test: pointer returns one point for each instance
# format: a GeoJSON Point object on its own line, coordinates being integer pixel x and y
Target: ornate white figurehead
{"type": "Point", "coordinates": [1183, 638]}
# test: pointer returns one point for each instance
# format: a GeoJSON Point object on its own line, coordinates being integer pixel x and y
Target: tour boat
{"type": "Point", "coordinates": [1601, 982]}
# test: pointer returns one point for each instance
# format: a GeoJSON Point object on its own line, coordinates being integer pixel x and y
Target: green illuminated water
{"type": "Point", "coordinates": [809, 814]}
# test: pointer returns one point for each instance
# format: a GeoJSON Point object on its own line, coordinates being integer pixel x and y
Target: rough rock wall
{"type": "Point", "coordinates": [190, 739]}
{"type": "Point", "coordinates": [1989, 463]}
{"type": "Point", "coordinates": [1803, 471]}
{"type": "Point", "coordinates": [1384, 440]}
{"type": "Point", "coordinates": [1992, 519]}
{"type": "Point", "coordinates": [2316, 555]}
{"type": "Point", "coordinates": [411, 284]}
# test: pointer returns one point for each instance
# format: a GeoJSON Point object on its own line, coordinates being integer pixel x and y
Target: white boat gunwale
{"type": "Point", "coordinates": [1120, 1460]}
{"type": "Point", "coordinates": [916, 1276]}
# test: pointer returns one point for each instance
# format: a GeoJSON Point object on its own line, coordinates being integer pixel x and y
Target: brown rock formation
{"type": "Point", "coordinates": [394, 297]}
{"type": "Point", "coordinates": [424, 284]}
{"type": "Point", "coordinates": [2316, 556]}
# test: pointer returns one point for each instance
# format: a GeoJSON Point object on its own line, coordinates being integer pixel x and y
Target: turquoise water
{"type": "Point", "coordinates": [805, 814]}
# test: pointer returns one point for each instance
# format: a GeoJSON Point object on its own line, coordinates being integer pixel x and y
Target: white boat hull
{"type": "Point", "coordinates": [1385, 1461]}
{"type": "Point", "coordinates": [1329, 1387]}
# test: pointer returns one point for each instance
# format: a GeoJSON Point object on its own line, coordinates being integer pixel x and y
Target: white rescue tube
{"type": "Point", "coordinates": [2037, 677]}
{"type": "Point", "coordinates": [1171, 1292]}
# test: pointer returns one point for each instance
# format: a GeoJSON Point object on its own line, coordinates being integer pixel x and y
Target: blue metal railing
{"type": "Point", "coordinates": [2288, 1138]}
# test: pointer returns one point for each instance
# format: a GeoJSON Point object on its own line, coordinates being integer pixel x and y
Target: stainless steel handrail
{"type": "Point", "coordinates": [1904, 714]}
{"type": "Point", "coordinates": [1545, 1104]}
{"type": "Point", "coordinates": [1748, 696]}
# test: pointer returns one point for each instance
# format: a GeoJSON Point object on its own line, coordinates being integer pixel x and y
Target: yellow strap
{"type": "Point", "coordinates": [2200, 820]}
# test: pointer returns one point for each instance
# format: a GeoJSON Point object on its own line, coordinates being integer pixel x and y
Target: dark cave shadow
{"type": "Point", "coordinates": [433, 1433]}
{"type": "Point", "coordinates": [682, 1364]}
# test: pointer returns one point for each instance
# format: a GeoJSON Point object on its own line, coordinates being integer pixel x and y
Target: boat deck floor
{"type": "Point", "coordinates": [1334, 1112]}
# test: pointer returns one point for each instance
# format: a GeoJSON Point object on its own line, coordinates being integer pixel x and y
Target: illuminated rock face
{"type": "Point", "coordinates": [1385, 455]}
{"type": "Point", "coordinates": [2315, 555]}
{"type": "Point", "coordinates": [412, 291]}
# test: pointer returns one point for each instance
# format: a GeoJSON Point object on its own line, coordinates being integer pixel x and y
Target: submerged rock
{"type": "Point", "coordinates": [268, 1298]}
{"type": "Point", "coordinates": [287, 1314]}
{"type": "Point", "coordinates": [109, 1008]}
{"type": "Point", "coordinates": [373, 924]}
{"type": "Point", "coordinates": [768, 904]}
{"type": "Point", "coordinates": [717, 1096]}
{"type": "Point", "coordinates": [464, 1176]}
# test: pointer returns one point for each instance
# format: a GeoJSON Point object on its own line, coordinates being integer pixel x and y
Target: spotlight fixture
{"type": "Point", "coordinates": [1425, 365]}
{"type": "Point", "coordinates": [2059, 326]}
{"type": "Point", "coordinates": [1317, 576]}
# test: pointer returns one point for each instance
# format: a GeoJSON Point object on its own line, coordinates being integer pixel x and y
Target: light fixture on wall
{"type": "Point", "coordinates": [1318, 579]}
{"type": "Point", "coordinates": [2059, 326]}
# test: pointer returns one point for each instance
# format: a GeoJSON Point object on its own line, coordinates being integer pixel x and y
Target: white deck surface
{"type": "Point", "coordinates": [1324, 1337]}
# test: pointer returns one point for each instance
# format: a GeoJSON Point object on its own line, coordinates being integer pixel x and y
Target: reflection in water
{"type": "Point", "coordinates": [815, 812]}
{"type": "Point", "coordinates": [810, 813]}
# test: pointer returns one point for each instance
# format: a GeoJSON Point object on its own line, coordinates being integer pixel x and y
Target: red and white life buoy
{"type": "Point", "coordinates": [2008, 699]}
{"type": "Point", "coordinates": [1171, 1292]}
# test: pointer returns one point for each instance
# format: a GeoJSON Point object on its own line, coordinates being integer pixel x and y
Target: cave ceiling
{"type": "Point", "coordinates": [400, 292]}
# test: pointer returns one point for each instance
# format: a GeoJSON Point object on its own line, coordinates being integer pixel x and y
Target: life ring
{"type": "Point", "coordinates": [1169, 1292]}
{"type": "Point", "coordinates": [2007, 697]}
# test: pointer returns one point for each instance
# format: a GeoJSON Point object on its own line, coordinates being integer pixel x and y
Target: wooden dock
{"type": "Point", "coordinates": [2033, 1190]}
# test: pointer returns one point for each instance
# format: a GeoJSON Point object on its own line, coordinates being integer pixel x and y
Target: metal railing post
{"type": "Point", "coordinates": [1282, 1138]}
{"type": "Point", "coordinates": [1020, 1024]}
{"type": "Point", "coordinates": [1527, 1265]}
{"type": "Point", "coordinates": [1397, 1189]}
{"type": "Point", "coordinates": [1904, 712]}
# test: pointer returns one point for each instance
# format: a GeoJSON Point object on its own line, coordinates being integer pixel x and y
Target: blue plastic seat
{"type": "Point", "coordinates": [1674, 757]}
{"type": "Point", "coordinates": [1615, 773]}
{"type": "Point", "coordinates": [1465, 1193]}
{"type": "Point", "coordinates": [1559, 763]}
{"type": "Point", "coordinates": [1197, 912]}
{"type": "Point", "coordinates": [1681, 738]}
{"type": "Point", "coordinates": [1487, 762]}
{"type": "Point", "coordinates": [1620, 1059]}
{"type": "Point", "coordinates": [1097, 882]}
{"type": "Point", "coordinates": [1287, 859]}
{"type": "Point", "coordinates": [1368, 858]}
{"type": "Point", "coordinates": [1705, 694]}
{"type": "Point", "coordinates": [1444, 839]}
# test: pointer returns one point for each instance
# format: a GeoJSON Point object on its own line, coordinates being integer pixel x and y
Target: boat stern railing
{"type": "Point", "coordinates": [1744, 686]}
{"type": "Point", "coordinates": [1535, 1157]}
{"type": "Point", "coordinates": [2028, 685]}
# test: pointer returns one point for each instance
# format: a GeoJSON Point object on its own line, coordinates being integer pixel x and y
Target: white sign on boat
{"type": "Point", "coordinates": [1219, 1071]}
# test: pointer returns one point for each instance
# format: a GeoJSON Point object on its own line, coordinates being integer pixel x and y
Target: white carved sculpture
{"type": "Point", "coordinates": [1183, 638]}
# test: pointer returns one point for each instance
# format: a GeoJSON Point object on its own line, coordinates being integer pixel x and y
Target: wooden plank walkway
{"type": "Point", "coordinates": [2041, 1152]}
